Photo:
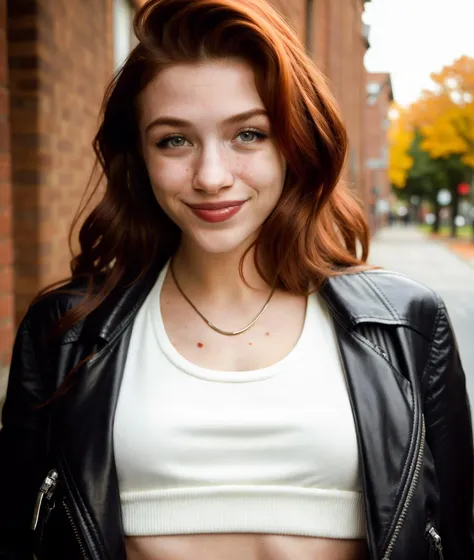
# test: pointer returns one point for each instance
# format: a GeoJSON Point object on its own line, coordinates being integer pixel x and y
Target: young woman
{"type": "Point", "coordinates": [224, 377]}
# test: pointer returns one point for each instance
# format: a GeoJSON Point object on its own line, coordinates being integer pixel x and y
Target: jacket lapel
{"type": "Point", "coordinates": [381, 401]}
{"type": "Point", "coordinates": [86, 417]}
{"type": "Point", "coordinates": [87, 453]}
{"type": "Point", "coordinates": [382, 398]}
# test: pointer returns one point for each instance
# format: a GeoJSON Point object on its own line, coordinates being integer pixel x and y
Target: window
{"type": "Point", "coordinates": [373, 90]}
{"type": "Point", "coordinates": [124, 38]}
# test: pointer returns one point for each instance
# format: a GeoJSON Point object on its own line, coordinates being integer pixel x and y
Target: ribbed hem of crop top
{"type": "Point", "coordinates": [280, 510]}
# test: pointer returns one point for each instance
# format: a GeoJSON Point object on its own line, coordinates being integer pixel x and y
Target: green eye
{"type": "Point", "coordinates": [247, 136]}
{"type": "Point", "coordinates": [172, 142]}
{"type": "Point", "coordinates": [250, 136]}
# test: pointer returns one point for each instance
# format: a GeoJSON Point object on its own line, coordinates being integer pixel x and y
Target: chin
{"type": "Point", "coordinates": [221, 242]}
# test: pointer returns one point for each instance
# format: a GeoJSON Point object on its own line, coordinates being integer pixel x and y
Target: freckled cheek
{"type": "Point", "coordinates": [264, 175]}
{"type": "Point", "coordinates": [170, 179]}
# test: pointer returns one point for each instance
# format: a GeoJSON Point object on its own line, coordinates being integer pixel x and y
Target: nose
{"type": "Point", "coordinates": [213, 171]}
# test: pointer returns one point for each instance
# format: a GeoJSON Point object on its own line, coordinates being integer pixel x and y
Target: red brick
{"type": "Point", "coordinates": [5, 194]}
{"type": "Point", "coordinates": [6, 342]}
{"type": "Point", "coordinates": [6, 279]}
{"type": "Point", "coordinates": [3, 101]}
{"type": "Point", "coordinates": [5, 169]}
{"type": "Point", "coordinates": [4, 136]}
{"type": "Point", "coordinates": [3, 58]}
{"type": "Point", "coordinates": [3, 14]}
{"type": "Point", "coordinates": [5, 222]}
{"type": "Point", "coordinates": [25, 284]}
{"type": "Point", "coordinates": [6, 252]}
{"type": "Point", "coordinates": [6, 306]}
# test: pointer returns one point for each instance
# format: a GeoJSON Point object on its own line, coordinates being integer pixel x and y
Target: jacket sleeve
{"type": "Point", "coordinates": [23, 441]}
{"type": "Point", "coordinates": [449, 436]}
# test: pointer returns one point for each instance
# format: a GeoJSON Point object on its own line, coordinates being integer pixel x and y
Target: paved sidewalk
{"type": "Point", "coordinates": [463, 249]}
{"type": "Point", "coordinates": [432, 263]}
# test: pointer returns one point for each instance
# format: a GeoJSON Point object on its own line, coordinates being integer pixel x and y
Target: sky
{"type": "Point", "coordinates": [412, 38]}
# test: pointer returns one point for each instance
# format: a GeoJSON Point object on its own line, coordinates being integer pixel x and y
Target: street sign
{"type": "Point", "coordinates": [444, 197]}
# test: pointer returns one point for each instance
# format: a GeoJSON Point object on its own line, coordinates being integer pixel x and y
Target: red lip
{"type": "Point", "coordinates": [216, 205]}
{"type": "Point", "coordinates": [217, 211]}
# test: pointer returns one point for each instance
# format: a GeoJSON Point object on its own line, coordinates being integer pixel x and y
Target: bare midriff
{"type": "Point", "coordinates": [243, 547]}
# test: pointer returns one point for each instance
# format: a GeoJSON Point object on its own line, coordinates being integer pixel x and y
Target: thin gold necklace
{"type": "Point", "coordinates": [213, 327]}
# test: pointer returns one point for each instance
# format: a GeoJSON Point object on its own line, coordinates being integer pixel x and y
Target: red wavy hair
{"type": "Point", "coordinates": [317, 227]}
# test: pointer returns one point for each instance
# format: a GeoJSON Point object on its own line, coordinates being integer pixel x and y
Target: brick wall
{"type": "Point", "coordinates": [60, 58]}
{"type": "Point", "coordinates": [6, 249]}
{"type": "Point", "coordinates": [338, 48]}
{"type": "Point", "coordinates": [341, 50]}
{"type": "Point", "coordinates": [379, 98]}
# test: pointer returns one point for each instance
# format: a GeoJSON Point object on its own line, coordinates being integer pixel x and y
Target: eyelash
{"type": "Point", "coordinates": [258, 133]}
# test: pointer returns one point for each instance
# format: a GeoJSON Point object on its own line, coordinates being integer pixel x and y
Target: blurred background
{"type": "Point", "coordinates": [401, 70]}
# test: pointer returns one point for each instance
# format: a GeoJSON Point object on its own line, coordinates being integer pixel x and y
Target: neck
{"type": "Point", "coordinates": [217, 274]}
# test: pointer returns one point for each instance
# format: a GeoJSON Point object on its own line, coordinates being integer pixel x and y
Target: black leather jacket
{"type": "Point", "coordinates": [407, 390]}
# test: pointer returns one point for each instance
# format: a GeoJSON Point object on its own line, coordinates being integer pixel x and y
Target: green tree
{"type": "Point", "coordinates": [425, 178]}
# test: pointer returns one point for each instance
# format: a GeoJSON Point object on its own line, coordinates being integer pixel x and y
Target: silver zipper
{"type": "Point", "coordinates": [45, 492]}
{"type": "Point", "coordinates": [410, 494]}
{"type": "Point", "coordinates": [381, 351]}
{"type": "Point", "coordinates": [76, 531]}
{"type": "Point", "coordinates": [435, 541]}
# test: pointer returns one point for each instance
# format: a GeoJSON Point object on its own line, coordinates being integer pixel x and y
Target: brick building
{"type": "Point", "coordinates": [55, 60]}
{"type": "Point", "coordinates": [379, 98]}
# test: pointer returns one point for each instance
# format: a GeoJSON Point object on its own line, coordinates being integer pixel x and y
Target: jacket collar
{"type": "Point", "coordinates": [345, 295]}
{"type": "Point", "coordinates": [121, 306]}
{"type": "Point", "coordinates": [379, 297]}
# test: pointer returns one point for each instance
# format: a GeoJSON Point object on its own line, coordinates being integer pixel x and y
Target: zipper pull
{"type": "Point", "coordinates": [46, 491]}
{"type": "Point", "coordinates": [435, 541]}
{"type": "Point", "coordinates": [381, 351]}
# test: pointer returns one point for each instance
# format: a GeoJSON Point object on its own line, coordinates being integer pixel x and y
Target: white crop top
{"type": "Point", "coordinates": [266, 451]}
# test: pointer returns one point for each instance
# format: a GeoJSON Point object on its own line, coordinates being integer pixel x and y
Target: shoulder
{"type": "Point", "coordinates": [46, 311]}
{"type": "Point", "coordinates": [387, 297]}
{"type": "Point", "coordinates": [401, 293]}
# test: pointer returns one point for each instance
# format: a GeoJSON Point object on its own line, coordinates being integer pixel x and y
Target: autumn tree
{"type": "Point", "coordinates": [432, 140]}
{"type": "Point", "coordinates": [401, 135]}
{"type": "Point", "coordinates": [446, 120]}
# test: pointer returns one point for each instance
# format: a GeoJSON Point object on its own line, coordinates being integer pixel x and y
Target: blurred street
{"type": "Point", "coordinates": [408, 251]}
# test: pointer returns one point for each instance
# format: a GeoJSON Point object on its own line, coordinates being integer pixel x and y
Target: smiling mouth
{"type": "Point", "coordinates": [214, 212]}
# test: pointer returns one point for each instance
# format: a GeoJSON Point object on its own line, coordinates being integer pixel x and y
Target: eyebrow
{"type": "Point", "coordinates": [173, 121]}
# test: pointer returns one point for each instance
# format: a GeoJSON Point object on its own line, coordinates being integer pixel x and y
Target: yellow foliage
{"type": "Point", "coordinates": [400, 136]}
{"type": "Point", "coordinates": [468, 160]}
{"type": "Point", "coordinates": [446, 116]}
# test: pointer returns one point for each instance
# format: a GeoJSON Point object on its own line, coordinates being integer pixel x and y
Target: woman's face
{"type": "Point", "coordinates": [214, 166]}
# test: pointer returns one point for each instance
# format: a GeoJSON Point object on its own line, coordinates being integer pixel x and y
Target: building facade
{"type": "Point", "coordinates": [55, 61]}
{"type": "Point", "coordinates": [379, 99]}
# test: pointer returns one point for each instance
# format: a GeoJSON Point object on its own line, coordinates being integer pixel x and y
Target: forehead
{"type": "Point", "coordinates": [211, 89]}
